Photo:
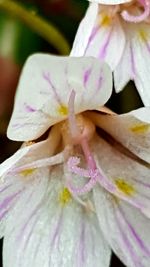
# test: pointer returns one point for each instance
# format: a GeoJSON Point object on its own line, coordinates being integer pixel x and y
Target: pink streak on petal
{"type": "Point", "coordinates": [135, 235]}
{"type": "Point", "coordinates": [28, 108]}
{"type": "Point", "coordinates": [5, 188]}
{"type": "Point", "coordinates": [92, 36]}
{"type": "Point", "coordinates": [4, 205]}
{"type": "Point", "coordinates": [47, 78]}
{"type": "Point", "coordinates": [103, 49]}
{"type": "Point", "coordinates": [56, 232]}
{"type": "Point", "coordinates": [126, 241]}
{"type": "Point", "coordinates": [87, 74]}
{"type": "Point", "coordinates": [141, 182]}
{"type": "Point", "coordinates": [23, 229]}
{"type": "Point", "coordinates": [99, 84]}
{"type": "Point", "coordinates": [7, 200]}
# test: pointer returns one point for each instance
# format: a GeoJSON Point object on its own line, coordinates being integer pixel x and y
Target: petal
{"type": "Point", "coordinates": [106, 38]}
{"type": "Point", "coordinates": [84, 31]}
{"type": "Point", "coordinates": [110, 2]}
{"type": "Point", "coordinates": [45, 87]}
{"type": "Point", "coordinates": [125, 229]}
{"type": "Point", "coordinates": [132, 130]}
{"type": "Point", "coordinates": [58, 233]}
{"type": "Point", "coordinates": [135, 62]}
{"type": "Point", "coordinates": [141, 48]}
{"type": "Point", "coordinates": [125, 70]}
{"type": "Point", "coordinates": [130, 178]}
{"type": "Point", "coordinates": [17, 188]}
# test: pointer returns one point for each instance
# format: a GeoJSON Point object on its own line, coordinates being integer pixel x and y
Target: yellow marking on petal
{"type": "Point", "coordinates": [143, 35]}
{"type": "Point", "coordinates": [140, 128]}
{"type": "Point", "coordinates": [105, 20]}
{"type": "Point", "coordinates": [29, 143]}
{"type": "Point", "coordinates": [124, 187]}
{"type": "Point", "coordinates": [65, 196]}
{"type": "Point", "coordinates": [27, 172]}
{"type": "Point", "coordinates": [63, 110]}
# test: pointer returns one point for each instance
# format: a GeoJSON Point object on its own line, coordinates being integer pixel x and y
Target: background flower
{"type": "Point", "coordinates": [118, 34]}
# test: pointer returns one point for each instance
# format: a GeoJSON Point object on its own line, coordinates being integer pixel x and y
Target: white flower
{"type": "Point", "coordinates": [118, 32]}
{"type": "Point", "coordinates": [54, 212]}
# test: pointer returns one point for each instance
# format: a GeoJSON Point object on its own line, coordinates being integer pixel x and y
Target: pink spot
{"type": "Point", "coordinates": [29, 108]}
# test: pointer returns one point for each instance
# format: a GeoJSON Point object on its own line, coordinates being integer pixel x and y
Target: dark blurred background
{"type": "Point", "coordinates": [18, 40]}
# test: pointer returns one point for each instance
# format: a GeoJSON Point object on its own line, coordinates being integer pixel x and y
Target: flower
{"type": "Point", "coordinates": [119, 33]}
{"type": "Point", "coordinates": [84, 189]}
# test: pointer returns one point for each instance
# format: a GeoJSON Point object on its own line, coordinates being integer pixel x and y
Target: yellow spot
{"type": "Point", "coordinates": [27, 172]}
{"type": "Point", "coordinates": [140, 128]}
{"type": "Point", "coordinates": [29, 143]}
{"type": "Point", "coordinates": [63, 110]}
{"type": "Point", "coordinates": [124, 187]}
{"type": "Point", "coordinates": [65, 196]}
{"type": "Point", "coordinates": [105, 20]}
{"type": "Point", "coordinates": [143, 35]}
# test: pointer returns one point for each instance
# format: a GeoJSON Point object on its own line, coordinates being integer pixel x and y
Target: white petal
{"type": "Point", "coordinates": [45, 87]}
{"type": "Point", "coordinates": [16, 188]}
{"type": "Point", "coordinates": [103, 36]}
{"type": "Point", "coordinates": [135, 61]}
{"type": "Point", "coordinates": [84, 31]}
{"type": "Point", "coordinates": [132, 130]}
{"type": "Point", "coordinates": [110, 2]}
{"type": "Point", "coordinates": [141, 48]}
{"type": "Point", "coordinates": [131, 178]}
{"type": "Point", "coordinates": [57, 234]}
{"type": "Point", "coordinates": [125, 228]}
{"type": "Point", "coordinates": [125, 70]}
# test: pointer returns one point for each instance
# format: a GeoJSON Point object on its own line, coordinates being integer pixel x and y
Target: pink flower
{"type": "Point", "coordinates": [83, 188]}
{"type": "Point", "coordinates": [118, 32]}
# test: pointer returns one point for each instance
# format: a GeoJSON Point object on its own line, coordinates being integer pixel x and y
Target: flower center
{"type": "Point", "coordinates": [79, 132]}
{"type": "Point", "coordinates": [75, 136]}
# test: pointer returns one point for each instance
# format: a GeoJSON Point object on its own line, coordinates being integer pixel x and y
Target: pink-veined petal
{"type": "Point", "coordinates": [58, 233]}
{"type": "Point", "coordinates": [84, 31]}
{"type": "Point", "coordinates": [131, 129]}
{"type": "Point", "coordinates": [105, 39]}
{"type": "Point", "coordinates": [125, 229]}
{"type": "Point", "coordinates": [135, 62]}
{"type": "Point", "coordinates": [16, 189]}
{"type": "Point", "coordinates": [45, 87]}
{"type": "Point", "coordinates": [129, 177]}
